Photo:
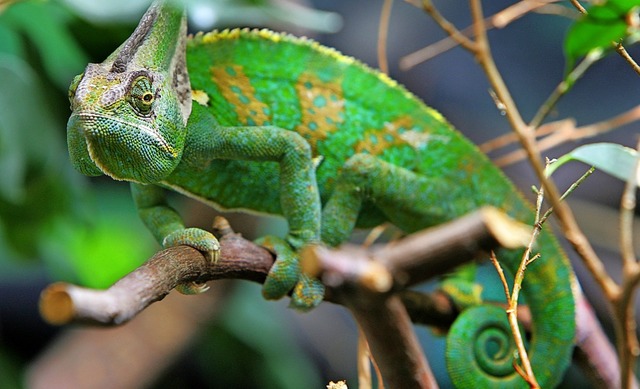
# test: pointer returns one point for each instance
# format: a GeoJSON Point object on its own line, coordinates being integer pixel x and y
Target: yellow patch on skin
{"type": "Point", "coordinates": [321, 105]}
{"type": "Point", "coordinates": [236, 88]}
{"type": "Point", "coordinates": [200, 96]}
{"type": "Point", "coordinates": [398, 132]}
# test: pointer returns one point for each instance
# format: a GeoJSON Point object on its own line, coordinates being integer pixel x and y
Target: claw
{"type": "Point", "coordinates": [192, 288]}
{"type": "Point", "coordinates": [213, 255]}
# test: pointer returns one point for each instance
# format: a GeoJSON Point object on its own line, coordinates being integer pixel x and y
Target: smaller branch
{"type": "Point", "coordinates": [563, 87]}
{"type": "Point", "coordinates": [383, 33]}
{"type": "Point", "coordinates": [499, 20]}
{"type": "Point", "coordinates": [458, 36]}
{"type": "Point", "coordinates": [419, 256]}
{"type": "Point", "coordinates": [605, 126]}
{"type": "Point", "coordinates": [555, 133]}
{"type": "Point", "coordinates": [578, 6]}
{"type": "Point", "coordinates": [503, 279]}
{"type": "Point", "coordinates": [510, 137]}
{"type": "Point", "coordinates": [627, 210]}
{"type": "Point", "coordinates": [628, 342]}
{"type": "Point", "coordinates": [625, 55]}
{"type": "Point", "coordinates": [440, 249]}
{"type": "Point", "coordinates": [568, 192]}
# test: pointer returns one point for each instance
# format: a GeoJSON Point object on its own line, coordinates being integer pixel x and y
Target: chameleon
{"type": "Point", "coordinates": [270, 123]}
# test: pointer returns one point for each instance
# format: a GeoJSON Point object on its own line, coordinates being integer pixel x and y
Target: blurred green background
{"type": "Point", "coordinates": [56, 225]}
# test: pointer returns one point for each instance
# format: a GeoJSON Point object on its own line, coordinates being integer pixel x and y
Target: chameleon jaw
{"type": "Point", "coordinates": [122, 151]}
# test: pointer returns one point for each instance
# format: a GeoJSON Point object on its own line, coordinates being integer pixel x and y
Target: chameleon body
{"type": "Point", "coordinates": [285, 126]}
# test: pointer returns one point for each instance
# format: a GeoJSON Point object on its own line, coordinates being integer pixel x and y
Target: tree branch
{"type": "Point", "coordinates": [422, 255]}
{"type": "Point", "coordinates": [62, 303]}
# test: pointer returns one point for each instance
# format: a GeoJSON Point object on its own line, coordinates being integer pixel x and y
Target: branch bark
{"type": "Point", "coordinates": [62, 303]}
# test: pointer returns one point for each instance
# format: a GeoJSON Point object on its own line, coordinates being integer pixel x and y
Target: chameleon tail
{"type": "Point", "coordinates": [480, 340]}
{"type": "Point", "coordinates": [480, 348]}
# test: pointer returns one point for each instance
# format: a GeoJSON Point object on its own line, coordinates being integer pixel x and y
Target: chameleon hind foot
{"type": "Point", "coordinates": [285, 276]}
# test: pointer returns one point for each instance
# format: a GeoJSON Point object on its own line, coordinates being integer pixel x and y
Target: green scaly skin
{"type": "Point", "coordinates": [284, 126]}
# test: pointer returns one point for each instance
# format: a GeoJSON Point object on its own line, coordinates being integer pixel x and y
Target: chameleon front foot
{"type": "Point", "coordinates": [200, 240]}
{"type": "Point", "coordinates": [285, 277]}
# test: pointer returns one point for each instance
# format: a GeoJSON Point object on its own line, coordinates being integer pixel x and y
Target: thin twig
{"type": "Point", "coordinates": [499, 20]}
{"type": "Point", "coordinates": [383, 34]}
{"type": "Point", "coordinates": [627, 208]}
{"type": "Point", "coordinates": [578, 6]}
{"type": "Point", "coordinates": [503, 279]}
{"type": "Point", "coordinates": [555, 133]}
{"type": "Point", "coordinates": [625, 55]}
{"type": "Point", "coordinates": [628, 347]}
{"type": "Point", "coordinates": [564, 86]}
{"type": "Point", "coordinates": [505, 140]}
{"type": "Point", "coordinates": [571, 188]}
{"type": "Point", "coordinates": [517, 285]}
{"type": "Point", "coordinates": [448, 27]}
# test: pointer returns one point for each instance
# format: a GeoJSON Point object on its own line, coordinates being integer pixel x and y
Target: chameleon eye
{"type": "Point", "coordinates": [141, 95]}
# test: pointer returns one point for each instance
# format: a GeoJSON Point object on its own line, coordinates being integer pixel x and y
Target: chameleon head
{"type": "Point", "coordinates": [128, 125]}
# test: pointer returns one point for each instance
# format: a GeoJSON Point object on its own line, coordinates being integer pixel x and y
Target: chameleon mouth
{"type": "Point", "coordinates": [122, 150]}
{"type": "Point", "coordinates": [97, 125]}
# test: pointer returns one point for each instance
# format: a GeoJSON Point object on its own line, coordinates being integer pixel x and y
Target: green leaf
{"type": "Point", "coordinates": [616, 160]}
{"type": "Point", "coordinates": [602, 25]}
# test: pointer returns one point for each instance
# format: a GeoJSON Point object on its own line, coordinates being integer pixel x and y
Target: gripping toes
{"type": "Point", "coordinates": [200, 240]}
{"type": "Point", "coordinates": [284, 273]}
{"type": "Point", "coordinates": [285, 276]}
{"type": "Point", "coordinates": [307, 293]}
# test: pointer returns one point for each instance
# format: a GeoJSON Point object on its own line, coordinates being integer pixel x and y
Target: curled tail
{"type": "Point", "coordinates": [480, 349]}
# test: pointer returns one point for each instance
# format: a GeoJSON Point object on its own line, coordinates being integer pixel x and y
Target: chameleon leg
{"type": "Point", "coordinates": [298, 195]}
{"type": "Point", "coordinates": [409, 200]}
{"type": "Point", "coordinates": [166, 226]}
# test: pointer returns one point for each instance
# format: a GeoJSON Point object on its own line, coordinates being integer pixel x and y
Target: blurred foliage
{"type": "Point", "coordinates": [9, 370]}
{"type": "Point", "coordinates": [38, 184]}
{"type": "Point", "coordinates": [276, 361]}
{"type": "Point", "coordinates": [45, 211]}
{"type": "Point", "coordinates": [605, 23]}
